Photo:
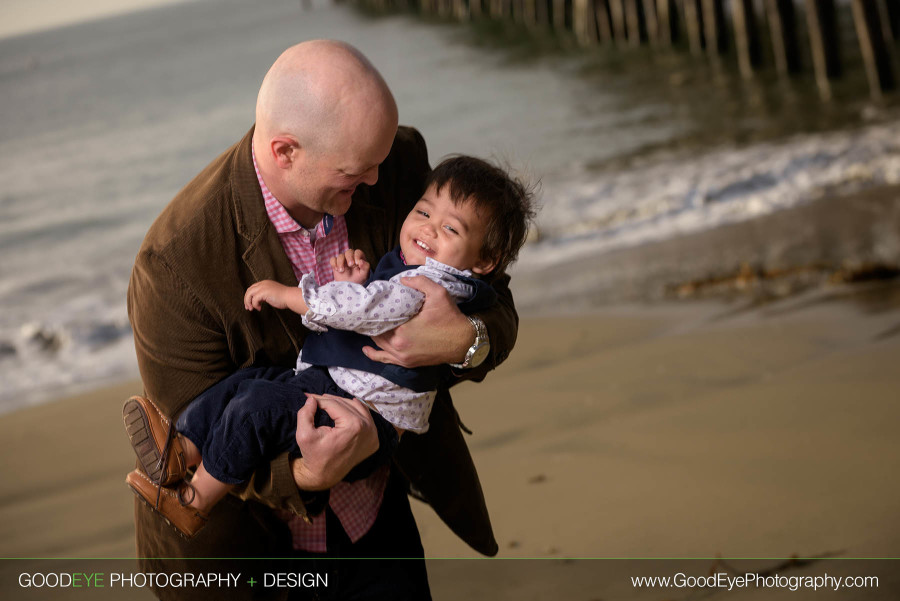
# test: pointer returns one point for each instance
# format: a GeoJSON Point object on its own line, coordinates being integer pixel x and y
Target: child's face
{"type": "Point", "coordinates": [451, 234]}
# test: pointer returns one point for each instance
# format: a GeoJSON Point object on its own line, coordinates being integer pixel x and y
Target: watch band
{"type": "Point", "coordinates": [479, 349]}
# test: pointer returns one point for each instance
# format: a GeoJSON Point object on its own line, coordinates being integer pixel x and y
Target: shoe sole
{"type": "Point", "coordinates": [137, 425]}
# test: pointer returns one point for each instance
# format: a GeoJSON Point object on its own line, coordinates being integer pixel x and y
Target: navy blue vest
{"type": "Point", "coordinates": [340, 348]}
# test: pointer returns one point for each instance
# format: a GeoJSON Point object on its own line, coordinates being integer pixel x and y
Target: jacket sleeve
{"type": "Point", "coordinates": [182, 351]}
{"type": "Point", "coordinates": [502, 323]}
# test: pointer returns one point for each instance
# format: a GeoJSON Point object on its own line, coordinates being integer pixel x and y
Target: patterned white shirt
{"type": "Point", "coordinates": [371, 310]}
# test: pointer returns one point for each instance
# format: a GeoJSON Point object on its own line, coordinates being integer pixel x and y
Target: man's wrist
{"type": "Point", "coordinates": [478, 351]}
{"type": "Point", "coordinates": [306, 481]}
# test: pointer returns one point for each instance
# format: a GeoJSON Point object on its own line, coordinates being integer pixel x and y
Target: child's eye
{"type": "Point", "coordinates": [422, 213]}
{"type": "Point", "coordinates": [449, 228]}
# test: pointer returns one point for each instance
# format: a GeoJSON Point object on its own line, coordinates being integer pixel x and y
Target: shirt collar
{"type": "Point", "coordinates": [279, 216]}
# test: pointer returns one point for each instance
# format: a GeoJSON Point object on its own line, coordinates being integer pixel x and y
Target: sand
{"type": "Point", "coordinates": [677, 430]}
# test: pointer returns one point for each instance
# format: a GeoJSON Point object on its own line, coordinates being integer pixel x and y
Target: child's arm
{"type": "Point", "coordinates": [276, 295]}
{"type": "Point", "coordinates": [369, 310]}
{"type": "Point", "coordinates": [350, 266]}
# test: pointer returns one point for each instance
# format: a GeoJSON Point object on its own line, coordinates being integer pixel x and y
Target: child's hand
{"type": "Point", "coordinates": [351, 266]}
{"type": "Point", "coordinates": [266, 291]}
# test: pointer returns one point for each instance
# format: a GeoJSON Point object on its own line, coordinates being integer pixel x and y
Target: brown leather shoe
{"type": "Point", "coordinates": [154, 440]}
{"type": "Point", "coordinates": [168, 502]}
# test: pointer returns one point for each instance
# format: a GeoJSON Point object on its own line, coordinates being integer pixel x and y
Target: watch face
{"type": "Point", "coordinates": [479, 355]}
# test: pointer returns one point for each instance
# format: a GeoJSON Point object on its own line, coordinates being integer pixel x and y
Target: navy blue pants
{"type": "Point", "coordinates": [250, 418]}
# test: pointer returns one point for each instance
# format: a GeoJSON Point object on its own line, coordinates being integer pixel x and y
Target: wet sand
{"type": "Point", "coordinates": [670, 431]}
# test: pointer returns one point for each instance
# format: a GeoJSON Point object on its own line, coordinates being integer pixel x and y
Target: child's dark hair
{"type": "Point", "coordinates": [506, 203]}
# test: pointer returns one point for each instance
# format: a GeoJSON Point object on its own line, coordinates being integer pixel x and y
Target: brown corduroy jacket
{"type": "Point", "coordinates": [185, 302]}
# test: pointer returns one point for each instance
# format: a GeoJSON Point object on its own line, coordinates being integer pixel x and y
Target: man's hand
{"type": "Point", "coordinates": [438, 334]}
{"type": "Point", "coordinates": [351, 266]}
{"type": "Point", "coordinates": [276, 295]}
{"type": "Point", "coordinates": [329, 453]}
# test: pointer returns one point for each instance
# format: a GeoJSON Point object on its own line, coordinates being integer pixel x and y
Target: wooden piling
{"type": "Point", "coordinates": [875, 52]}
{"type": "Point", "coordinates": [542, 13]}
{"type": "Point", "coordinates": [746, 36]}
{"type": "Point", "coordinates": [583, 22]}
{"type": "Point", "coordinates": [783, 29]}
{"type": "Point", "coordinates": [559, 15]}
{"type": "Point", "coordinates": [892, 11]}
{"type": "Point", "coordinates": [666, 22]}
{"type": "Point", "coordinates": [823, 38]}
{"type": "Point", "coordinates": [714, 28]}
{"type": "Point", "coordinates": [518, 11]}
{"type": "Point", "coordinates": [630, 22]}
{"type": "Point", "coordinates": [693, 17]}
{"type": "Point", "coordinates": [651, 22]}
{"type": "Point", "coordinates": [617, 17]}
{"type": "Point", "coordinates": [529, 12]}
{"type": "Point", "coordinates": [889, 13]}
{"type": "Point", "coordinates": [601, 18]}
{"type": "Point", "coordinates": [461, 10]}
{"type": "Point", "coordinates": [633, 22]}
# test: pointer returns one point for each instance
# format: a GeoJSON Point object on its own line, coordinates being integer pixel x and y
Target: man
{"type": "Point", "coordinates": [325, 168]}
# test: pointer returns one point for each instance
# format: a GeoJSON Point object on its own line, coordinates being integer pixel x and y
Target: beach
{"type": "Point", "coordinates": [675, 430]}
{"type": "Point", "coordinates": [710, 301]}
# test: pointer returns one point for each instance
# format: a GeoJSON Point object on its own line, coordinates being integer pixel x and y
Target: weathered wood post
{"type": "Point", "coordinates": [889, 13]}
{"type": "Point", "coordinates": [460, 10]}
{"type": "Point", "coordinates": [746, 36]}
{"type": "Point", "coordinates": [516, 7]}
{"type": "Point", "coordinates": [617, 16]}
{"type": "Point", "coordinates": [651, 22]}
{"type": "Point", "coordinates": [542, 13]}
{"type": "Point", "coordinates": [475, 10]}
{"type": "Point", "coordinates": [714, 28]}
{"type": "Point", "coordinates": [601, 17]}
{"type": "Point", "coordinates": [693, 17]}
{"type": "Point", "coordinates": [893, 10]}
{"type": "Point", "coordinates": [875, 52]}
{"type": "Point", "coordinates": [559, 15]}
{"type": "Point", "coordinates": [823, 37]}
{"type": "Point", "coordinates": [667, 22]}
{"type": "Point", "coordinates": [783, 28]}
{"type": "Point", "coordinates": [633, 21]}
{"type": "Point", "coordinates": [529, 12]}
{"type": "Point", "coordinates": [583, 22]}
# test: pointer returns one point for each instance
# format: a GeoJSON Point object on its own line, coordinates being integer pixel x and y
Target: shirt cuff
{"type": "Point", "coordinates": [310, 319]}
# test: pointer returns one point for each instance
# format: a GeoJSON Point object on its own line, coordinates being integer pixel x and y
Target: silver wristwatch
{"type": "Point", "coordinates": [479, 350]}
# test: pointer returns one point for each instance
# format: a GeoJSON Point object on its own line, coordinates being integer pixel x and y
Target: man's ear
{"type": "Point", "coordinates": [285, 150]}
{"type": "Point", "coordinates": [484, 266]}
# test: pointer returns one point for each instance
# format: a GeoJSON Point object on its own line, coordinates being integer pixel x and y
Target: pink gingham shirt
{"type": "Point", "coordinates": [356, 504]}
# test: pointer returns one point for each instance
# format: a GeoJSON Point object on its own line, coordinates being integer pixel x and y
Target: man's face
{"type": "Point", "coordinates": [324, 179]}
{"type": "Point", "coordinates": [451, 234]}
{"type": "Point", "coordinates": [326, 182]}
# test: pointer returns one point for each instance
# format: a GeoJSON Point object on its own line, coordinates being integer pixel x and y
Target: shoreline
{"type": "Point", "coordinates": [645, 397]}
{"type": "Point", "coordinates": [837, 248]}
{"type": "Point", "coordinates": [839, 237]}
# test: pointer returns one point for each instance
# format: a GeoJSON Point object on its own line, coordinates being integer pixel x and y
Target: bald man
{"type": "Point", "coordinates": [325, 168]}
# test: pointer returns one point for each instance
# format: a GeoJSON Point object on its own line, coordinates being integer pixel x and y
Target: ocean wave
{"type": "Point", "coordinates": [595, 212]}
{"type": "Point", "coordinates": [43, 359]}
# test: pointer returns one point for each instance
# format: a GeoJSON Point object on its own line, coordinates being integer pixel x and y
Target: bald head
{"type": "Point", "coordinates": [325, 121]}
{"type": "Point", "coordinates": [318, 90]}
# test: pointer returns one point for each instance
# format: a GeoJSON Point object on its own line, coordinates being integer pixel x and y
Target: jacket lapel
{"type": "Point", "coordinates": [264, 255]}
